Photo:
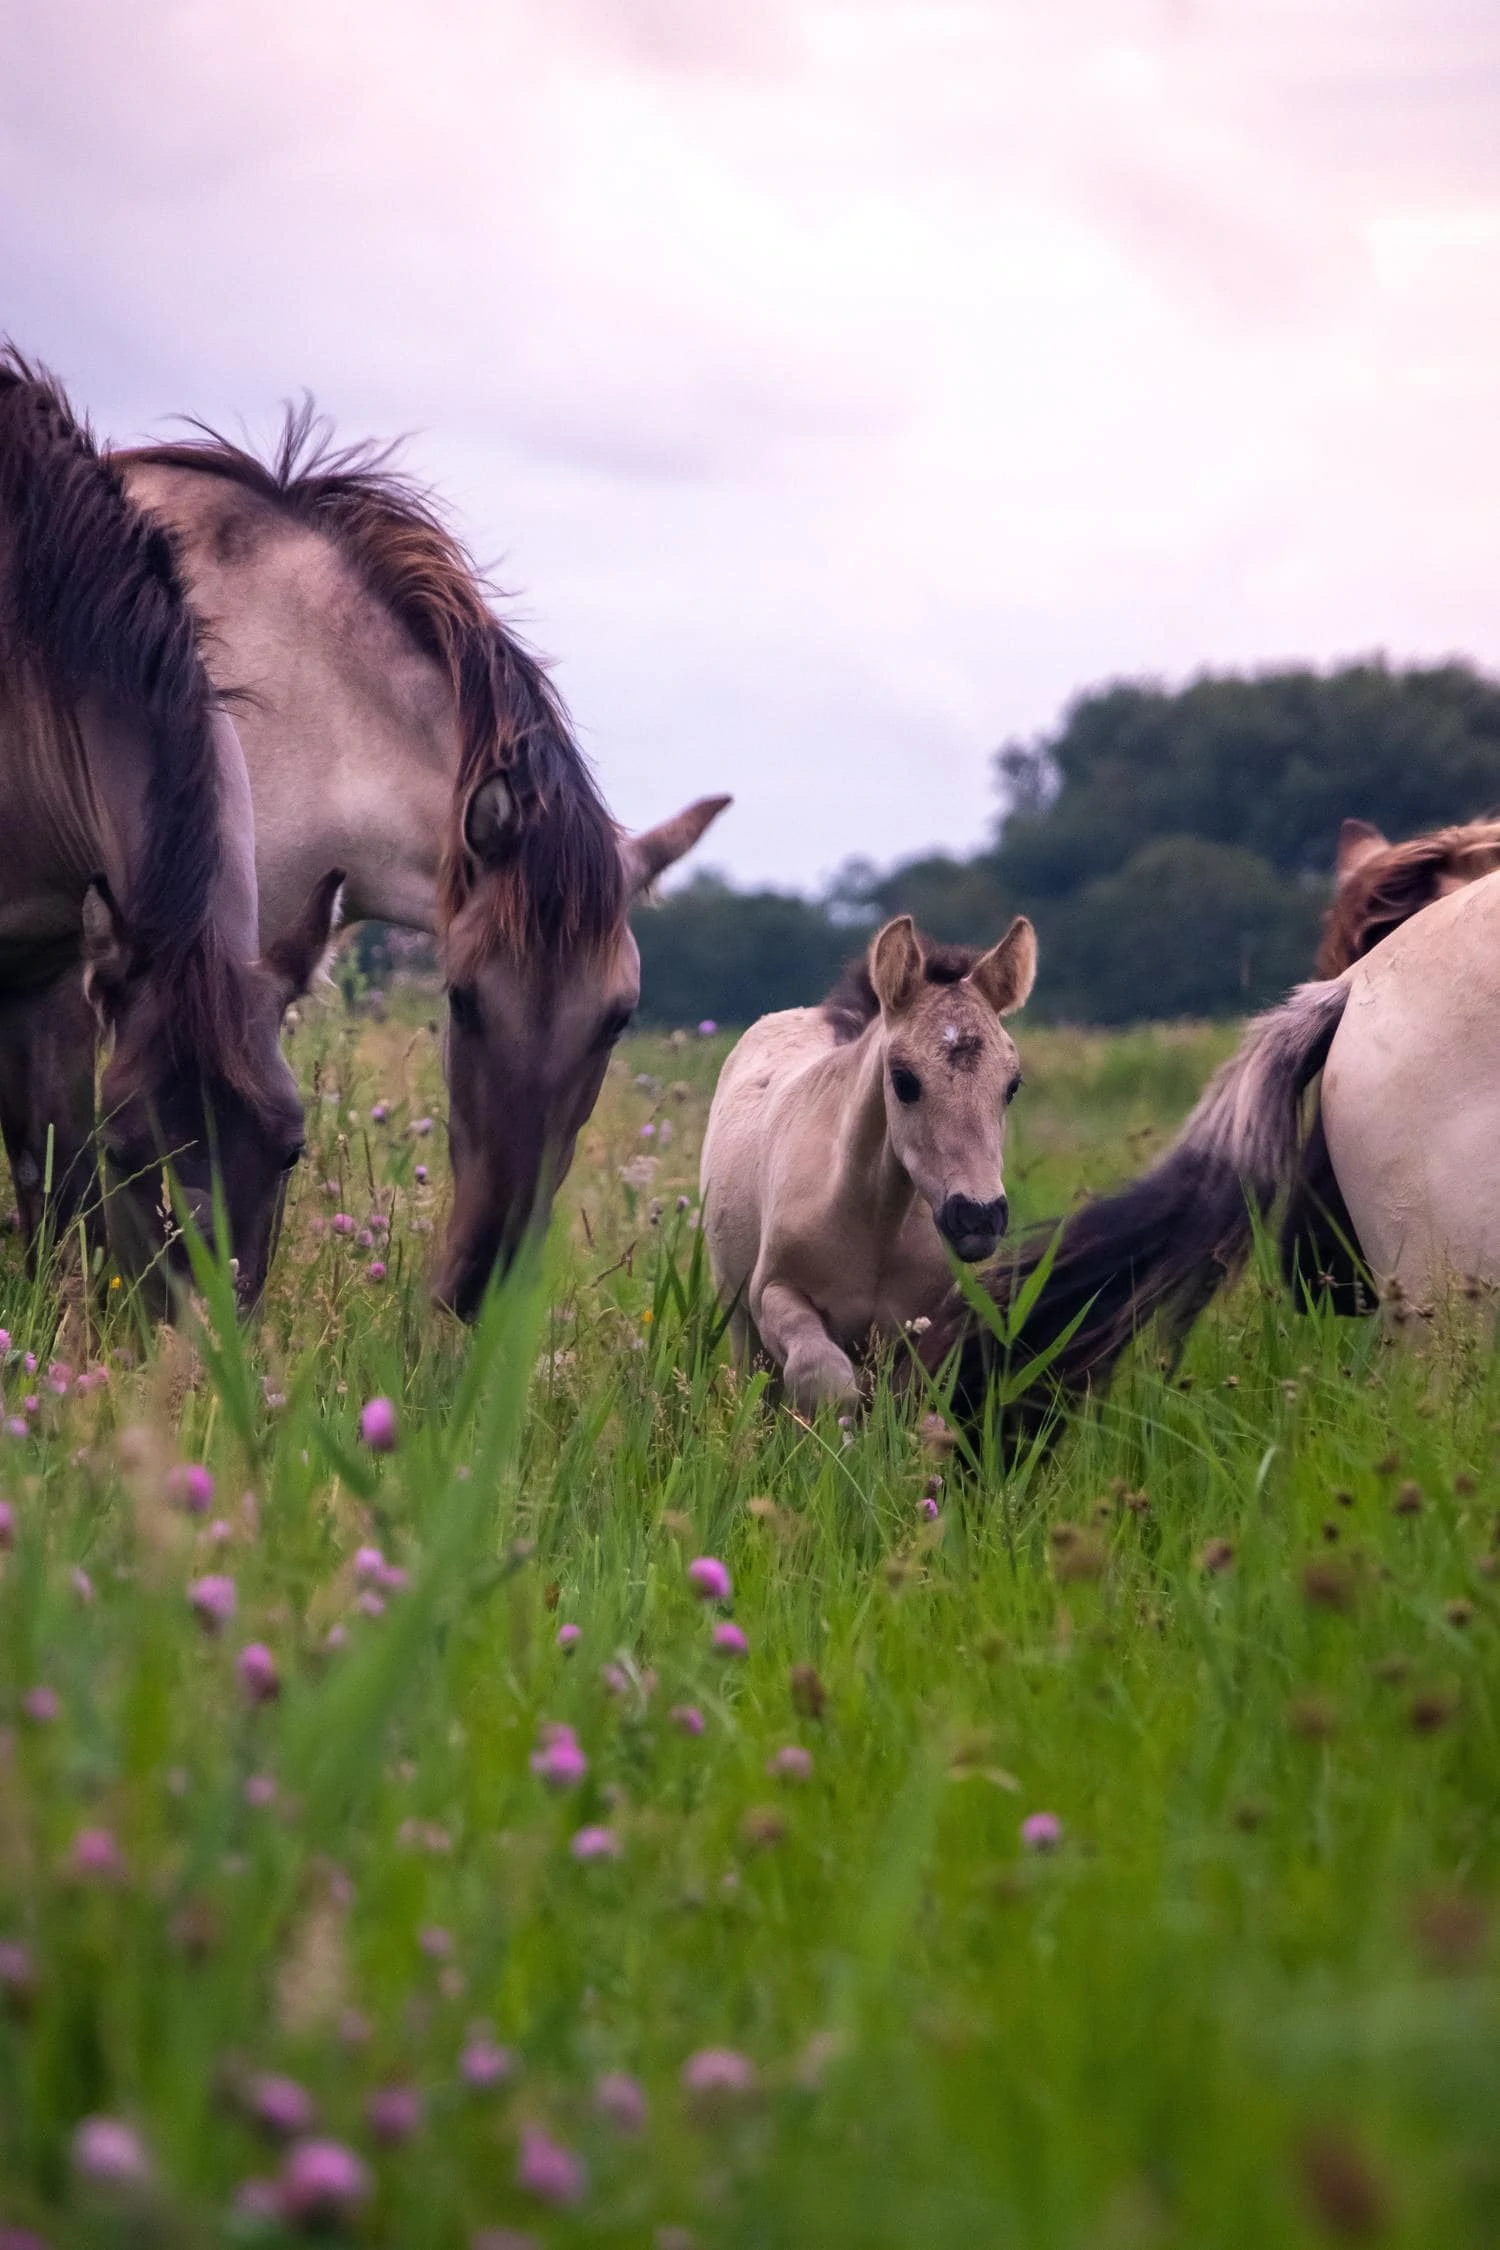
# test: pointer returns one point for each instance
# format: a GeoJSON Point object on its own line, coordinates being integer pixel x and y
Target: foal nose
{"type": "Point", "coordinates": [972, 1229]}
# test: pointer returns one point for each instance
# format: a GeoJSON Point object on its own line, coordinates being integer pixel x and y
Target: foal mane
{"type": "Point", "coordinates": [560, 884]}
{"type": "Point", "coordinates": [1396, 882]}
{"type": "Point", "coordinates": [852, 1007]}
{"type": "Point", "coordinates": [94, 596]}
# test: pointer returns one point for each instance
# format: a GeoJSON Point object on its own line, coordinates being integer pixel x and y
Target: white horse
{"type": "Point", "coordinates": [1408, 1042]}
{"type": "Point", "coordinates": [852, 1146]}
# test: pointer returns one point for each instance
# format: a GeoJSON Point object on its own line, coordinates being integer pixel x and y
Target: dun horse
{"type": "Point", "coordinates": [850, 1148]}
{"type": "Point", "coordinates": [125, 848]}
{"type": "Point", "coordinates": [394, 727]}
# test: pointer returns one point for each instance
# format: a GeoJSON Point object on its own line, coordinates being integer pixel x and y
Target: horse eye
{"type": "Point", "coordinates": [1013, 1089]}
{"type": "Point", "coordinates": [293, 1157]}
{"type": "Point", "coordinates": [615, 1026]}
{"type": "Point", "coordinates": [905, 1084]}
{"type": "Point", "coordinates": [463, 1006]}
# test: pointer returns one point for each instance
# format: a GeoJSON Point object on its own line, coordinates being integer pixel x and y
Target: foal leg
{"type": "Point", "coordinates": [815, 1371]}
{"type": "Point", "coordinates": [47, 1090]}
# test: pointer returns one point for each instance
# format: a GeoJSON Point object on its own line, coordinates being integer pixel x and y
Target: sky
{"type": "Point", "coordinates": [835, 389]}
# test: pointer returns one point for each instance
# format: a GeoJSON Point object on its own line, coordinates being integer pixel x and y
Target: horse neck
{"type": "Point", "coordinates": [869, 1178]}
{"type": "Point", "coordinates": [349, 732]}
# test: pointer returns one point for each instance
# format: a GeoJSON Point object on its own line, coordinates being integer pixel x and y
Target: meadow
{"type": "Point", "coordinates": [401, 1840]}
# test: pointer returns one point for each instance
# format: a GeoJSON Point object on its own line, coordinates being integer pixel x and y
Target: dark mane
{"type": "Point", "coordinates": [94, 596]}
{"type": "Point", "coordinates": [852, 1005]}
{"type": "Point", "coordinates": [562, 885]}
{"type": "Point", "coordinates": [1396, 882]}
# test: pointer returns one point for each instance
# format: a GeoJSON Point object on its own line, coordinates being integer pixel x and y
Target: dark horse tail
{"type": "Point", "coordinates": [1166, 1243]}
{"type": "Point", "coordinates": [92, 593]}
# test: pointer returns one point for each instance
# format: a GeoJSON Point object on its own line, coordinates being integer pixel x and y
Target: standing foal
{"type": "Point", "coordinates": [850, 1147]}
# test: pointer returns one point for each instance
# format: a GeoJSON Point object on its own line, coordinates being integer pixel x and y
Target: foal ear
{"type": "Point", "coordinates": [107, 952]}
{"type": "Point", "coordinates": [489, 817]}
{"type": "Point", "coordinates": [1358, 841]}
{"type": "Point", "coordinates": [1006, 974]}
{"type": "Point", "coordinates": [301, 953]}
{"type": "Point", "coordinates": [896, 965]}
{"type": "Point", "coordinates": [656, 849]}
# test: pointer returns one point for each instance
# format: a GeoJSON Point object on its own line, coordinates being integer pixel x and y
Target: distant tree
{"type": "Point", "coordinates": [708, 950]}
{"type": "Point", "coordinates": [1174, 847]}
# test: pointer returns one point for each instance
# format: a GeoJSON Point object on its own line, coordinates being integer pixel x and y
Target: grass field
{"type": "Point", "coordinates": [1105, 1856]}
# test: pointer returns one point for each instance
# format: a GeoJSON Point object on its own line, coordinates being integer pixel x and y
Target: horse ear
{"type": "Point", "coordinates": [896, 965]}
{"type": "Point", "coordinates": [1006, 974]}
{"type": "Point", "coordinates": [489, 817]}
{"type": "Point", "coordinates": [108, 956]}
{"type": "Point", "coordinates": [301, 954]}
{"type": "Point", "coordinates": [656, 849]}
{"type": "Point", "coordinates": [1358, 841]}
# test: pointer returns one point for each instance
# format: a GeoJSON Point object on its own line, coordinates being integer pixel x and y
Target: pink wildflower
{"type": "Point", "coordinates": [4, 1342]}
{"type": "Point", "coordinates": [1041, 1832]}
{"type": "Point", "coordinates": [929, 1507]}
{"type": "Point", "coordinates": [595, 1843]}
{"type": "Point", "coordinates": [619, 2098]}
{"type": "Point", "coordinates": [686, 1718]}
{"type": "Point", "coordinates": [483, 2064]}
{"type": "Point", "coordinates": [59, 1378]}
{"type": "Point", "coordinates": [369, 1562]}
{"type": "Point", "coordinates": [559, 1762]}
{"type": "Point", "coordinates": [7, 1524]}
{"type": "Point", "coordinates": [379, 1113]}
{"type": "Point", "coordinates": [41, 1705]}
{"type": "Point", "coordinates": [376, 1269]}
{"type": "Point", "coordinates": [213, 1599]}
{"type": "Point", "coordinates": [377, 1425]}
{"type": "Point", "coordinates": [95, 1856]}
{"type": "Point", "coordinates": [394, 2113]}
{"type": "Point", "coordinates": [342, 1222]}
{"type": "Point", "coordinates": [260, 1791]}
{"type": "Point", "coordinates": [707, 1028]}
{"type": "Point", "coordinates": [436, 1942]}
{"type": "Point", "coordinates": [191, 1486]}
{"type": "Point", "coordinates": [548, 2171]}
{"type": "Point", "coordinates": [279, 2105]}
{"type": "Point", "coordinates": [16, 1427]}
{"type": "Point", "coordinates": [715, 2077]}
{"type": "Point", "coordinates": [17, 1973]}
{"type": "Point", "coordinates": [790, 1763]}
{"type": "Point", "coordinates": [419, 1174]}
{"type": "Point", "coordinates": [259, 1677]}
{"type": "Point", "coordinates": [82, 1585]}
{"type": "Point", "coordinates": [370, 1603]}
{"type": "Point", "coordinates": [322, 2182]}
{"type": "Point", "coordinates": [110, 2155]}
{"type": "Point", "coordinates": [709, 1579]}
{"type": "Point", "coordinates": [568, 1637]}
{"type": "Point", "coordinates": [728, 1640]}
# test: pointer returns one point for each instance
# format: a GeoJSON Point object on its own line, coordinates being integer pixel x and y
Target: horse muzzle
{"type": "Point", "coordinates": [971, 1230]}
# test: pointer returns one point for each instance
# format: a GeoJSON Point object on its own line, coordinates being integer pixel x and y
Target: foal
{"type": "Point", "coordinates": [850, 1147]}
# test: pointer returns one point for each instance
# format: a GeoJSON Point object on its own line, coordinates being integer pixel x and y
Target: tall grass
{"type": "Point", "coordinates": [1236, 1631]}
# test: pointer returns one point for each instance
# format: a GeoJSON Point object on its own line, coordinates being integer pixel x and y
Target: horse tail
{"type": "Point", "coordinates": [1165, 1244]}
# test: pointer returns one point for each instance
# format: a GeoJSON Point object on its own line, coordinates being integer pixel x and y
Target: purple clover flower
{"type": "Point", "coordinates": [321, 2183]}
{"type": "Point", "coordinates": [547, 2170]}
{"type": "Point", "coordinates": [559, 1762]}
{"type": "Point", "coordinates": [709, 1579]}
{"type": "Point", "coordinates": [728, 1640]}
{"type": "Point", "coordinates": [686, 1718]}
{"type": "Point", "coordinates": [621, 2100]}
{"type": "Point", "coordinates": [259, 1678]}
{"type": "Point", "coordinates": [377, 1425]}
{"type": "Point", "coordinates": [595, 1843]}
{"type": "Point", "coordinates": [213, 1600]}
{"type": "Point", "coordinates": [1041, 1832]}
{"type": "Point", "coordinates": [108, 2154]}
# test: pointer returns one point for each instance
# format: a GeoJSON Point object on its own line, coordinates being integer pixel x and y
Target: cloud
{"type": "Point", "coordinates": [843, 384]}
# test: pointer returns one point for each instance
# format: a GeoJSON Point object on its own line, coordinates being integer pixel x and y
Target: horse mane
{"type": "Point", "coordinates": [95, 598]}
{"type": "Point", "coordinates": [1396, 882]}
{"type": "Point", "coordinates": [560, 885]}
{"type": "Point", "coordinates": [852, 1006]}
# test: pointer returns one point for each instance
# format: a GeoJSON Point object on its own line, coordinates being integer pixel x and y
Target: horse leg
{"type": "Point", "coordinates": [47, 1087]}
{"type": "Point", "coordinates": [1321, 1258]}
{"type": "Point", "coordinates": [815, 1371]}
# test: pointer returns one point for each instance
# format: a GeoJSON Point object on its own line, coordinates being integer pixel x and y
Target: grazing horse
{"type": "Point", "coordinates": [125, 850]}
{"type": "Point", "coordinates": [394, 727]}
{"type": "Point", "coordinates": [1408, 1043]}
{"type": "Point", "coordinates": [850, 1148]}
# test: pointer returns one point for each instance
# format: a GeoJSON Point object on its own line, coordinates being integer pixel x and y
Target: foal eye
{"type": "Point", "coordinates": [463, 1006]}
{"type": "Point", "coordinates": [905, 1084]}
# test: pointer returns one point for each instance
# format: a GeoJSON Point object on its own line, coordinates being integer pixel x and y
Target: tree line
{"type": "Point", "coordinates": [1173, 846]}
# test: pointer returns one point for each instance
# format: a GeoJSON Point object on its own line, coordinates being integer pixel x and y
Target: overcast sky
{"type": "Point", "coordinates": [839, 387]}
